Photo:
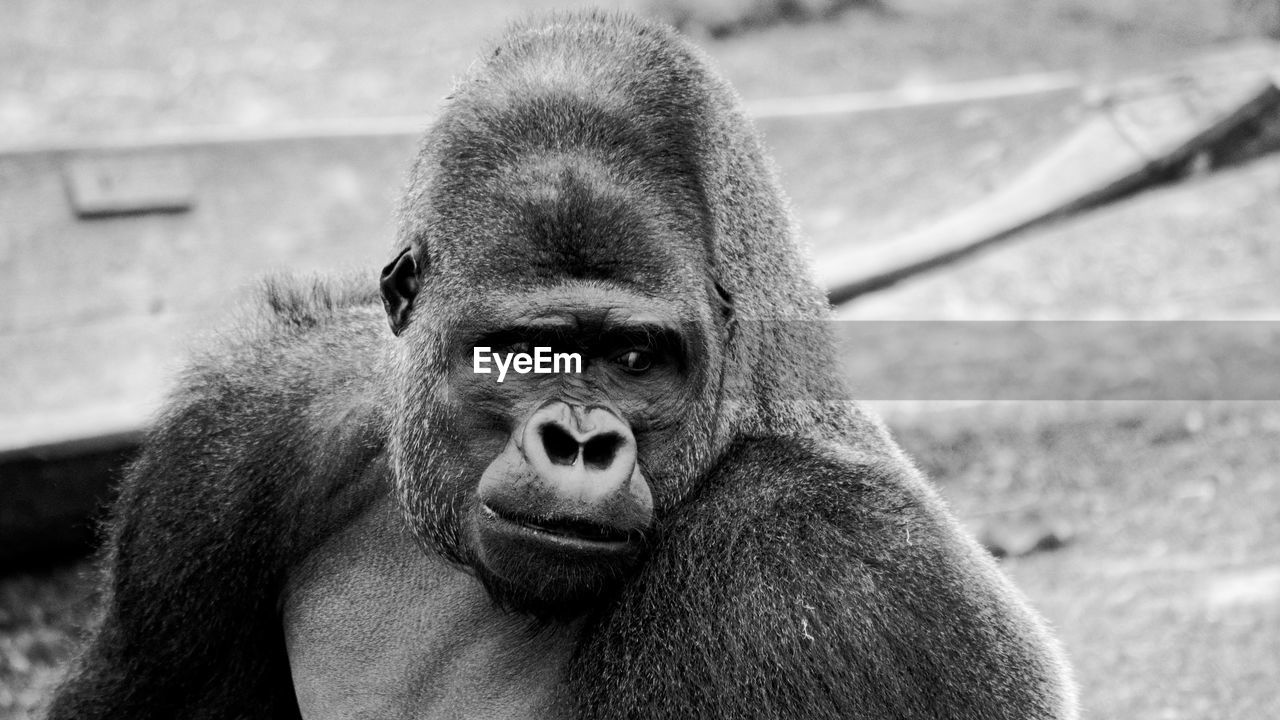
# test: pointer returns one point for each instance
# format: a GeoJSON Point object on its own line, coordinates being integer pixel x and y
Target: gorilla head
{"type": "Point", "coordinates": [570, 199]}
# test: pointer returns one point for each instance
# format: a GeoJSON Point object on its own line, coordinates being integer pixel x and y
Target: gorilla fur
{"type": "Point", "coordinates": [801, 566]}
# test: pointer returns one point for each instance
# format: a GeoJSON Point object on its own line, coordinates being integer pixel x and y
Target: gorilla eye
{"type": "Point", "coordinates": [636, 361]}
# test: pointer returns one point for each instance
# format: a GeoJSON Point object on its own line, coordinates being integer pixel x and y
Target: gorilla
{"type": "Point", "coordinates": [330, 520]}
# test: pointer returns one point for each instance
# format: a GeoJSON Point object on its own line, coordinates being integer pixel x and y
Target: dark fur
{"type": "Point", "coordinates": [802, 569]}
{"type": "Point", "coordinates": [271, 441]}
{"type": "Point", "coordinates": [841, 589]}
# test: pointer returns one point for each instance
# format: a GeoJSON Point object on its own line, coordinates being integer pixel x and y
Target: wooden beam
{"type": "Point", "coordinates": [1142, 133]}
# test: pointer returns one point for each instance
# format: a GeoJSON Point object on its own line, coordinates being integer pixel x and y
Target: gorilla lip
{"type": "Point", "coordinates": [578, 533]}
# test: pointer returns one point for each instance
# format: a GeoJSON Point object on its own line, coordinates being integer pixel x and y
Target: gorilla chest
{"type": "Point", "coordinates": [376, 628]}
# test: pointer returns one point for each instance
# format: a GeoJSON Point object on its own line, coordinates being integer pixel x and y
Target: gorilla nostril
{"type": "Point", "coordinates": [599, 451]}
{"type": "Point", "coordinates": [561, 447]}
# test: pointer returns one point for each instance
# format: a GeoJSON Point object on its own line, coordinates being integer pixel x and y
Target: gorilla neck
{"type": "Point", "coordinates": [377, 628]}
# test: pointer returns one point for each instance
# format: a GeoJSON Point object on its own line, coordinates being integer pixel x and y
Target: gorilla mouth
{"type": "Point", "coordinates": [552, 565]}
{"type": "Point", "coordinates": [568, 528]}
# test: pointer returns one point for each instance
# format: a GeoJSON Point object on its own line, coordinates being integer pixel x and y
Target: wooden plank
{"type": "Point", "coordinates": [412, 126]}
{"type": "Point", "coordinates": [94, 313]}
{"type": "Point", "coordinates": [140, 285]}
{"type": "Point", "coordinates": [1139, 135]}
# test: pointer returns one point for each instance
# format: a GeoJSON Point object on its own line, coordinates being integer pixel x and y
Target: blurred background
{"type": "Point", "coordinates": [156, 156]}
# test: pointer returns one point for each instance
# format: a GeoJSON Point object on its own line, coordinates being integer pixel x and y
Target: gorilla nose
{"type": "Point", "coordinates": [590, 453]}
{"type": "Point", "coordinates": [563, 448]}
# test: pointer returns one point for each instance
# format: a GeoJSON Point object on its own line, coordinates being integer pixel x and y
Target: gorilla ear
{"type": "Point", "coordinates": [400, 283]}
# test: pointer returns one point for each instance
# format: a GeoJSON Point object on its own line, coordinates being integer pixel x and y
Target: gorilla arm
{"type": "Point", "coordinates": [269, 442]}
{"type": "Point", "coordinates": [811, 582]}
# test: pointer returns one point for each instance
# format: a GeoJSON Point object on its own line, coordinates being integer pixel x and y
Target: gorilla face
{"type": "Point", "coordinates": [549, 485]}
{"type": "Point", "coordinates": [564, 505]}
{"type": "Point", "coordinates": [551, 481]}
